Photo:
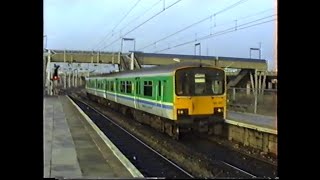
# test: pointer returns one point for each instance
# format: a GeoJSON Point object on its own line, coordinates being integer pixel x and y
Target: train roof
{"type": "Point", "coordinates": [163, 69]}
{"type": "Point", "coordinates": [182, 56]}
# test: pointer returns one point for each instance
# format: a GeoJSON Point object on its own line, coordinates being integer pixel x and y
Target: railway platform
{"type": "Point", "coordinates": [262, 121]}
{"type": "Point", "coordinates": [73, 147]}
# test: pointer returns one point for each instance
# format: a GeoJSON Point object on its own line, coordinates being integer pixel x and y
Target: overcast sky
{"type": "Point", "coordinates": [88, 25]}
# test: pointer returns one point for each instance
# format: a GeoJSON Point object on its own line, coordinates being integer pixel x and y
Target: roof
{"type": "Point", "coordinates": [164, 69]}
{"type": "Point", "coordinates": [198, 57]}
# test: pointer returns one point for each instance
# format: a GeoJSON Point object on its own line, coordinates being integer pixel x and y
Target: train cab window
{"type": "Point", "coordinates": [184, 88]}
{"type": "Point", "coordinates": [200, 81]}
{"type": "Point", "coordinates": [147, 88]}
{"type": "Point", "coordinates": [216, 87]}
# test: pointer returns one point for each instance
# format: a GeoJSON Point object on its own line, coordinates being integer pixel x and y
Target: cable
{"type": "Point", "coordinates": [198, 22]}
{"type": "Point", "coordinates": [245, 17]}
{"type": "Point", "coordinates": [120, 21]}
{"type": "Point", "coordinates": [140, 15]}
{"type": "Point", "coordinates": [221, 33]}
{"type": "Point", "coordinates": [142, 23]}
{"type": "Point", "coordinates": [231, 28]}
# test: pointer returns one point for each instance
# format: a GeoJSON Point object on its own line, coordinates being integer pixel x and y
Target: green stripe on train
{"type": "Point", "coordinates": [103, 83]}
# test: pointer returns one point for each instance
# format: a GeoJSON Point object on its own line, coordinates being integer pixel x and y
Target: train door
{"type": "Point", "coordinates": [136, 93]}
{"type": "Point", "coordinates": [160, 97]}
{"type": "Point", "coordinates": [116, 90]}
{"type": "Point", "coordinates": [96, 87]}
{"type": "Point", "coordinates": [105, 88]}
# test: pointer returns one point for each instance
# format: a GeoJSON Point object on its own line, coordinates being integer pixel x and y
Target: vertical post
{"type": "Point", "coordinates": [76, 79]}
{"type": "Point", "coordinates": [49, 73]}
{"type": "Point", "coordinates": [119, 61]}
{"type": "Point", "coordinates": [72, 84]}
{"type": "Point", "coordinates": [259, 50]}
{"type": "Point", "coordinates": [98, 57]}
{"type": "Point", "coordinates": [132, 61]}
{"type": "Point", "coordinates": [65, 81]}
{"type": "Point", "coordinates": [69, 79]}
{"type": "Point", "coordinates": [248, 88]}
{"type": "Point", "coordinates": [195, 46]}
{"type": "Point", "coordinates": [112, 58]}
{"type": "Point", "coordinates": [64, 56]}
{"type": "Point", "coordinates": [260, 82]}
{"type": "Point", "coordinates": [44, 74]}
{"type": "Point", "coordinates": [233, 94]}
{"type": "Point", "coordinates": [264, 82]}
{"type": "Point", "coordinates": [45, 46]}
{"type": "Point", "coordinates": [252, 82]}
{"type": "Point", "coordinates": [121, 45]}
{"type": "Point", "coordinates": [255, 92]}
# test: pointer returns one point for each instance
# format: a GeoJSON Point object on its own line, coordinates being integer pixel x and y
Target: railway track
{"type": "Point", "coordinates": [224, 162]}
{"type": "Point", "coordinates": [148, 161]}
{"type": "Point", "coordinates": [245, 163]}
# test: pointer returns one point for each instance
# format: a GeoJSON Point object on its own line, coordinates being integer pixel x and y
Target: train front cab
{"type": "Point", "coordinates": [199, 98]}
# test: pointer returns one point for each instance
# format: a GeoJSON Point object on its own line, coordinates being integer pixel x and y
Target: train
{"type": "Point", "coordinates": [173, 99]}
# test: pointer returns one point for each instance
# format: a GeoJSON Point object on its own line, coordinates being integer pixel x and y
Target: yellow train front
{"type": "Point", "coordinates": [199, 98]}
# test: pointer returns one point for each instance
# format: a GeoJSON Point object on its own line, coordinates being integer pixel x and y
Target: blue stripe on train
{"type": "Point", "coordinates": [143, 101]}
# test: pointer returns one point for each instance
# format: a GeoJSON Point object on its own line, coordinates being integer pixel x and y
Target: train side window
{"type": "Point", "coordinates": [122, 86]}
{"type": "Point", "coordinates": [129, 87]}
{"type": "Point", "coordinates": [147, 88]}
{"type": "Point", "coordinates": [164, 89]}
{"type": "Point", "coordinates": [138, 88]}
{"type": "Point", "coordinates": [159, 89]}
{"type": "Point", "coordinates": [111, 85]}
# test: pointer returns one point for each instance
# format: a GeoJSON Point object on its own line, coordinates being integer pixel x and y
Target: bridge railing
{"type": "Point", "coordinates": [243, 100]}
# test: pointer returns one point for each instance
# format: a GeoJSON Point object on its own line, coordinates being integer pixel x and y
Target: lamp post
{"type": "Point", "coordinates": [195, 47]}
{"type": "Point", "coordinates": [128, 39]}
{"type": "Point", "coordinates": [75, 76]}
{"type": "Point", "coordinates": [134, 49]}
{"type": "Point", "coordinates": [45, 36]}
{"type": "Point", "coordinates": [256, 49]}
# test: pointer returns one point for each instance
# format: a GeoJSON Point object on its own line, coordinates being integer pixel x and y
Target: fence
{"type": "Point", "coordinates": [244, 100]}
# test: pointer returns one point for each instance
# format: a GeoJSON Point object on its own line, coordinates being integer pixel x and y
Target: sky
{"type": "Point", "coordinates": [231, 27]}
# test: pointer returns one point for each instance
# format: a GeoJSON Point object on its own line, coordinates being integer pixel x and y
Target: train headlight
{"type": "Point", "coordinates": [182, 111]}
{"type": "Point", "coordinates": [218, 111]}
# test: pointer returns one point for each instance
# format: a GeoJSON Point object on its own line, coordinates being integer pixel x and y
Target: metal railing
{"type": "Point", "coordinates": [243, 100]}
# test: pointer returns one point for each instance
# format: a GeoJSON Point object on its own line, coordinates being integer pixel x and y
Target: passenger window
{"type": "Point", "coordinates": [147, 88]}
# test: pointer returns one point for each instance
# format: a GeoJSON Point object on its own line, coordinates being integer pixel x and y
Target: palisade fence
{"type": "Point", "coordinates": [246, 100]}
